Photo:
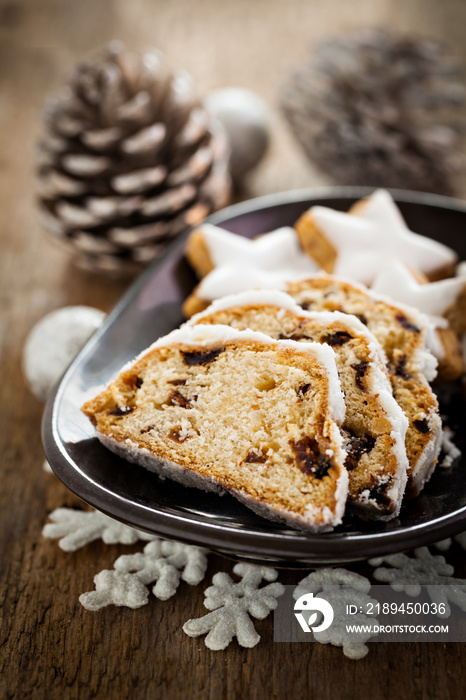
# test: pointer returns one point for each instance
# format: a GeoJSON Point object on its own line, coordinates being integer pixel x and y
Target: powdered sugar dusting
{"type": "Point", "coordinates": [452, 452]}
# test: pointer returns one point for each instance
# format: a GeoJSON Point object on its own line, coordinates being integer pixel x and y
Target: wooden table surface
{"type": "Point", "coordinates": [50, 646]}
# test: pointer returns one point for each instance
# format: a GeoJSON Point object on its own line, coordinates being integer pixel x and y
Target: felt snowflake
{"type": "Point", "coordinates": [76, 528]}
{"type": "Point", "coordinates": [427, 570]}
{"type": "Point", "coordinates": [165, 562]}
{"type": "Point", "coordinates": [341, 588]}
{"type": "Point", "coordinates": [162, 561]}
{"type": "Point", "coordinates": [115, 588]}
{"type": "Point", "coordinates": [233, 603]}
{"type": "Point", "coordinates": [461, 539]}
{"type": "Point", "coordinates": [444, 545]}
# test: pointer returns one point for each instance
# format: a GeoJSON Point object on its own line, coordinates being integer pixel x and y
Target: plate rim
{"type": "Point", "coordinates": [274, 546]}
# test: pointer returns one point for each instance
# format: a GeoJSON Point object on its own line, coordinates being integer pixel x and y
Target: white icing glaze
{"type": "Point", "coordinates": [282, 300]}
{"type": "Point", "coordinates": [426, 359]}
{"type": "Point", "coordinates": [397, 282]}
{"type": "Point", "coordinates": [276, 250]}
{"type": "Point", "coordinates": [235, 278]}
{"type": "Point", "coordinates": [364, 241]}
{"type": "Point", "coordinates": [240, 263]}
{"type": "Point", "coordinates": [251, 298]}
{"type": "Point", "coordinates": [381, 385]}
{"type": "Point", "coordinates": [425, 465]}
{"type": "Point", "coordinates": [206, 335]}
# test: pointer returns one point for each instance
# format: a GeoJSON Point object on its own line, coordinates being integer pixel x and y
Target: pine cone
{"type": "Point", "coordinates": [379, 109]}
{"type": "Point", "coordinates": [129, 160]}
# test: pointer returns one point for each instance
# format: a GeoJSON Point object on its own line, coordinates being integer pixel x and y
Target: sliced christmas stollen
{"type": "Point", "coordinates": [406, 336]}
{"type": "Point", "coordinates": [224, 410]}
{"type": "Point", "coordinates": [374, 427]}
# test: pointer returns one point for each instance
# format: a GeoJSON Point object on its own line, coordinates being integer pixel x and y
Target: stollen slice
{"type": "Point", "coordinates": [234, 411]}
{"type": "Point", "coordinates": [406, 336]}
{"type": "Point", "coordinates": [375, 426]}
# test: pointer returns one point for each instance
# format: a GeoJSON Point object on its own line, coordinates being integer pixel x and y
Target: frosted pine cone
{"type": "Point", "coordinates": [379, 109]}
{"type": "Point", "coordinates": [129, 159]}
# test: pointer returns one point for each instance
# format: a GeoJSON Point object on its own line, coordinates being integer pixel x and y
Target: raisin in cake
{"type": "Point", "coordinates": [405, 335]}
{"type": "Point", "coordinates": [224, 410]}
{"type": "Point", "coordinates": [375, 426]}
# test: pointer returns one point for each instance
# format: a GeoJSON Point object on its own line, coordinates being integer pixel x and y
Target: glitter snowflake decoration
{"type": "Point", "coordinates": [444, 545]}
{"type": "Point", "coordinates": [232, 604]}
{"type": "Point", "coordinates": [76, 528]}
{"type": "Point", "coordinates": [115, 588]}
{"type": "Point", "coordinates": [341, 588]}
{"type": "Point", "coordinates": [410, 574]}
{"type": "Point", "coordinates": [161, 562]}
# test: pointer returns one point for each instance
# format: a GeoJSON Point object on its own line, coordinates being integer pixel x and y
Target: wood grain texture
{"type": "Point", "coordinates": [50, 647]}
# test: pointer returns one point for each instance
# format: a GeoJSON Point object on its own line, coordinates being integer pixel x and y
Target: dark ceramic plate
{"type": "Point", "coordinates": [152, 308]}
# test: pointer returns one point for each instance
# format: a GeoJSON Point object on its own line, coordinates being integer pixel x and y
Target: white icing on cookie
{"type": "Point", "coordinates": [397, 281]}
{"type": "Point", "coordinates": [239, 277]}
{"type": "Point", "coordinates": [276, 250]}
{"type": "Point", "coordinates": [364, 241]}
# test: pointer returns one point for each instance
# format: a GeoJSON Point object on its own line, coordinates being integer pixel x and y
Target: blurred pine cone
{"type": "Point", "coordinates": [380, 109]}
{"type": "Point", "coordinates": [129, 159]}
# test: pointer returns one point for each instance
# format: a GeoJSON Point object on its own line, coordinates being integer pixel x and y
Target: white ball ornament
{"type": "Point", "coordinates": [245, 117]}
{"type": "Point", "coordinates": [54, 342]}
